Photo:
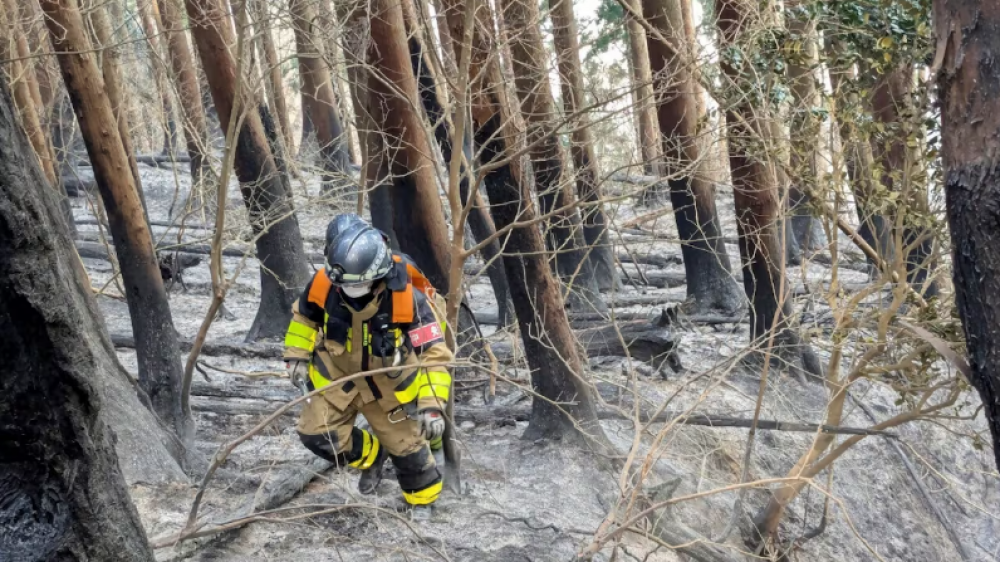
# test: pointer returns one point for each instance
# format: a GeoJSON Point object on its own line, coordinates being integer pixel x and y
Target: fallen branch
{"type": "Point", "coordinates": [249, 350]}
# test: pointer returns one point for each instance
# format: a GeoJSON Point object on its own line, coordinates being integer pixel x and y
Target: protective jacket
{"type": "Point", "coordinates": [403, 325]}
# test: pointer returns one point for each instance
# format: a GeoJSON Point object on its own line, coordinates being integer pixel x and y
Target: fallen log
{"type": "Point", "coordinates": [162, 160]}
{"type": "Point", "coordinates": [165, 224]}
{"type": "Point", "coordinates": [656, 260]}
{"type": "Point", "coordinates": [74, 185]}
{"type": "Point", "coordinates": [97, 251]}
{"type": "Point", "coordinates": [254, 350]}
{"type": "Point", "coordinates": [486, 415]}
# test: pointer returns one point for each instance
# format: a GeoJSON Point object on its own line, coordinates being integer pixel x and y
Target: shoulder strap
{"type": "Point", "coordinates": [321, 286]}
{"type": "Point", "coordinates": [402, 305]}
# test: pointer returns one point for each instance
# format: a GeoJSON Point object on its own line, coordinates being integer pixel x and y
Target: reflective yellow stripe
{"type": "Point", "coordinates": [426, 384]}
{"type": "Point", "coordinates": [426, 496]}
{"type": "Point", "coordinates": [300, 329]}
{"type": "Point", "coordinates": [435, 391]}
{"type": "Point", "coordinates": [300, 336]}
{"type": "Point", "coordinates": [369, 451]}
{"type": "Point", "coordinates": [436, 444]}
{"type": "Point", "coordinates": [318, 380]}
{"type": "Point", "coordinates": [441, 378]}
{"type": "Point", "coordinates": [350, 335]}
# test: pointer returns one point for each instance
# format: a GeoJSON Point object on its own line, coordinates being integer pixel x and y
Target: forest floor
{"type": "Point", "coordinates": [543, 501]}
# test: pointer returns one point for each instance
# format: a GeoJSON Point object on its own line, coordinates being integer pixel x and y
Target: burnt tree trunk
{"type": "Point", "coordinates": [186, 81]}
{"type": "Point", "coordinates": [595, 222]}
{"type": "Point", "coordinates": [418, 216]}
{"type": "Point", "coordinates": [284, 270]}
{"type": "Point", "coordinates": [970, 123]}
{"type": "Point", "coordinates": [318, 100]}
{"type": "Point", "coordinates": [892, 106]}
{"type": "Point", "coordinates": [479, 219]}
{"type": "Point", "coordinates": [710, 283]}
{"type": "Point", "coordinates": [755, 194]}
{"type": "Point", "coordinates": [555, 194]}
{"type": "Point", "coordinates": [550, 348]}
{"type": "Point", "coordinates": [64, 496]}
{"type": "Point", "coordinates": [157, 348]}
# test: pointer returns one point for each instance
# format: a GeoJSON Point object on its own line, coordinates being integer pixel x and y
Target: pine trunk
{"type": "Point", "coordinates": [479, 220]}
{"type": "Point", "coordinates": [21, 80]}
{"type": "Point", "coordinates": [757, 201]}
{"type": "Point", "coordinates": [588, 187]}
{"type": "Point", "coordinates": [550, 348]}
{"type": "Point", "coordinates": [318, 99]}
{"type": "Point", "coordinates": [642, 84]}
{"type": "Point", "coordinates": [710, 283]}
{"type": "Point", "coordinates": [149, 14]}
{"type": "Point", "coordinates": [265, 190]}
{"type": "Point", "coordinates": [64, 497]}
{"type": "Point", "coordinates": [418, 217]}
{"type": "Point", "coordinates": [186, 81]}
{"type": "Point", "coordinates": [531, 80]}
{"type": "Point", "coordinates": [101, 36]}
{"type": "Point", "coordinates": [156, 340]}
{"type": "Point", "coordinates": [970, 123]}
{"type": "Point", "coordinates": [274, 84]}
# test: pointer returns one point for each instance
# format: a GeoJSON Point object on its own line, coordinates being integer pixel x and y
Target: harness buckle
{"type": "Point", "coordinates": [397, 409]}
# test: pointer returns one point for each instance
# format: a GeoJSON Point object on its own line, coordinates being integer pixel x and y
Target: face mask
{"type": "Point", "coordinates": [357, 291]}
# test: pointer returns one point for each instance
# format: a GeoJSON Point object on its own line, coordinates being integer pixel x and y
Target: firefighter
{"type": "Point", "coordinates": [362, 312]}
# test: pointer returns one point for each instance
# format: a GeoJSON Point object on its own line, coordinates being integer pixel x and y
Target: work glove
{"type": "Point", "coordinates": [298, 373]}
{"type": "Point", "coordinates": [431, 422]}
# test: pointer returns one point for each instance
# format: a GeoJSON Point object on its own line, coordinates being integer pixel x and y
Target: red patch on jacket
{"type": "Point", "coordinates": [425, 335]}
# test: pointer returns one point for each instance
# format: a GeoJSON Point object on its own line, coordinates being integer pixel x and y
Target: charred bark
{"type": "Point", "coordinates": [418, 217]}
{"type": "Point", "coordinates": [970, 121]}
{"type": "Point", "coordinates": [588, 189]}
{"type": "Point", "coordinates": [284, 269]}
{"type": "Point", "coordinates": [710, 283]}
{"type": "Point", "coordinates": [64, 497]}
{"type": "Point", "coordinates": [319, 104]}
{"type": "Point", "coordinates": [157, 348]}
{"type": "Point", "coordinates": [565, 233]}
{"type": "Point", "coordinates": [755, 193]}
{"type": "Point", "coordinates": [479, 219]}
{"type": "Point", "coordinates": [550, 348]}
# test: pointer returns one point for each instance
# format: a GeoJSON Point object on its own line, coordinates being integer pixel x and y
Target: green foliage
{"type": "Point", "coordinates": [611, 29]}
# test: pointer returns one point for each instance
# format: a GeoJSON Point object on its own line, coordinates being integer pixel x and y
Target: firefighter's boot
{"type": "Point", "coordinates": [371, 477]}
